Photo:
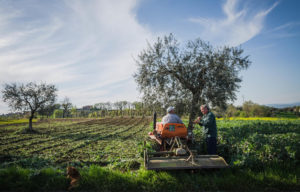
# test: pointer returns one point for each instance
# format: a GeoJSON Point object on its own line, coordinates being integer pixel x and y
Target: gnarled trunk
{"type": "Point", "coordinates": [30, 129]}
{"type": "Point", "coordinates": [193, 110]}
{"type": "Point", "coordinates": [30, 123]}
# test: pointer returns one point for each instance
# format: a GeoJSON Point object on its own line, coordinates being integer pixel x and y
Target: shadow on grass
{"type": "Point", "coordinates": [96, 178]}
{"type": "Point", "coordinates": [21, 179]}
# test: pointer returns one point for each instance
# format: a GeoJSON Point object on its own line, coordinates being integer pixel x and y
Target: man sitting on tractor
{"type": "Point", "coordinates": [171, 117]}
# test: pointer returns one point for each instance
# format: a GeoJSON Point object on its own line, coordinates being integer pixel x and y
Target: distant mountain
{"type": "Point", "coordinates": [284, 105]}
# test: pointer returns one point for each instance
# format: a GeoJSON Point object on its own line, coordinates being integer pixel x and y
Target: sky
{"type": "Point", "coordinates": [87, 48]}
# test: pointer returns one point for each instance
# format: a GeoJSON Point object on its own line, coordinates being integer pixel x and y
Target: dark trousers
{"type": "Point", "coordinates": [211, 143]}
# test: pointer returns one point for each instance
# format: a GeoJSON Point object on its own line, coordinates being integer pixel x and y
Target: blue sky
{"type": "Point", "coordinates": [87, 47]}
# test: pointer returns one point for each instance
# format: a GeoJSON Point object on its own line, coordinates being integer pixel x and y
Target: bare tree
{"type": "Point", "coordinates": [66, 105]}
{"type": "Point", "coordinates": [48, 110]}
{"type": "Point", "coordinates": [30, 97]}
{"type": "Point", "coordinates": [120, 105]}
{"type": "Point", "coordinates": [99, 106]}
{"type": "Point", "coordinates": [196, 73]}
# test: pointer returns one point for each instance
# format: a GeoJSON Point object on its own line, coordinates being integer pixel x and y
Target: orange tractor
{"type": "Point", "coordinates": [173, 152]}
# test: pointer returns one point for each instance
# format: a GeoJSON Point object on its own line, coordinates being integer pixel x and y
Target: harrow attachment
{"type": "Point", "coordinates": [181, 158]}
{"type": "Point", "coordinates": [177, 163]}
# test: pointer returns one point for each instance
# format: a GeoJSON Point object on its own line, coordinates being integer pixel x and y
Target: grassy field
{"type": "Point", "coordinates": [14, 121]}
{"type": "Point", "coordinates": [263, 156]}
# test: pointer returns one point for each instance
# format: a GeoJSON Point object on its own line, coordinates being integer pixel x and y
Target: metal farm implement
{"type": "Point", "coordinates": [172, 151]}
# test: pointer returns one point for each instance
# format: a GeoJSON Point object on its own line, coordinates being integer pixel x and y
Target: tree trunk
{"type": "Point", "coordinates": [30, 123]}
{"type": "Point", "coordinates": [193, 110]}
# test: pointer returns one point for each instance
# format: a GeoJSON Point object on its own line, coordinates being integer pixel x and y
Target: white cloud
{"type": "Point", "coordinates": [84, 47]}
{"type": "Point", "coordinates": [286, 30]}
{"type": "Point", "coordinates": [238, 26]}
{"type": "Point", "coordinates": [288, 25]}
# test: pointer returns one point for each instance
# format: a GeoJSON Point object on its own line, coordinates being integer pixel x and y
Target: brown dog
{"type": "Point", "coordinates": [74, 175]}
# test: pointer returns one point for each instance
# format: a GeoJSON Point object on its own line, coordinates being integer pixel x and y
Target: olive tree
{"type": "Point", "coordinates": [196, 73]}
{"type": "Point", "coordinates": [29, 97]}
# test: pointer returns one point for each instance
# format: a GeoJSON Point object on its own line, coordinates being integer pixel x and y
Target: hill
{"type": "Point", "coordinates": [280, 106]}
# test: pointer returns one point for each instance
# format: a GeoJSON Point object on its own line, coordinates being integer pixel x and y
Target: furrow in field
{"type": "Point", "coordinates": [139, 129]}
{"type": "Point", "coordinates": [58, 131]}
{"type": "Point", "coordinates": [119, 133]}
{"type": "Point", "coordinates": [56, 136]}
{"type": "Point", "coordinates": [16, 138]}
{"type": "Point", "coordinates": [72, 138]}
{"type": "Point", "coordinates": [90, 137]}
{"type": "Point", "coordinates": [95, 121]}
{"type": "Point", "coordinates": [54, 128]}
{"type": "Point", "coordinates": [84, 149]}
{"type": "Point", "coordinates": [94, 153]}
{"type": "Point", "coordinates": [96, 138]}
{"type": "Point", "coordinates": [78, 140]}
{"type": "Point", "coordinates": [50, 145]}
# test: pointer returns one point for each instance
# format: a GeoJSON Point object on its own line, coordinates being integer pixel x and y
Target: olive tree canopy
{"type": "Point", "coordinates": [29, 97]}
{"type": "Point", "coordinates": [196, 73]}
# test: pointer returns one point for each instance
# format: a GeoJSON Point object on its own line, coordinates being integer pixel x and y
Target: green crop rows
{"type": "Point", "coordinates": [254, 144]}
{"type": "Point", "coordinates": [98, 141]}
{"type": "Point", "coordinates": [263, 156]}
{"type": "Point", "coordinates": [103, 141]}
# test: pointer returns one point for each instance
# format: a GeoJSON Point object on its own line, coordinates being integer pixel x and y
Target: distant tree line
{"type": "Point", "coordinates": [251, 109]}
{"type": "Point", "coordinates": [102, 109]}
{"type": "Point", "coordinates": [66, 109]}
{"type": "Point", "coordinates": [137, 108]}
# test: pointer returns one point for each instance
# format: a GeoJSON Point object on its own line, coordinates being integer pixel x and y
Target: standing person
{"type": "Point", "coordinates": [208, 121]}
{"type": "Point", "coordinates": [171, 117]}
